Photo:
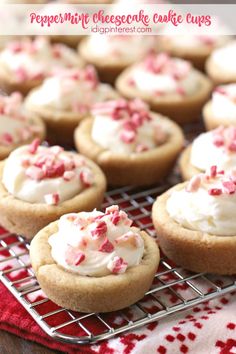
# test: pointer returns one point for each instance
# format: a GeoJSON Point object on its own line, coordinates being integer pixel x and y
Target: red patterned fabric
{"type": "Point", "coordinates": [207, 328]}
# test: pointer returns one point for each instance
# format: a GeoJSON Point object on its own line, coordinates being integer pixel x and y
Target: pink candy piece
{"type": "Point", "coordinates": [218, 140]}
{"type": "Point", "coordinates": [112, 209]}
{"type": "Point", "coordinates": [117, 265]}
{"type": "Point", "coordinates": [194, 184]}
{"type": "Point", "coordinates": [213, 171]}
{"type": "Point", "coordinates": [90, 74]}
{"type": "Point", "coordinates": [106, 246]}
{"type": "Point", "coordinates": [6, 139]}
{"type": "Point", "coordinates": [86, 178]}
{"type": "Point", "coordinates": [160, 135]}
{"type": "Point", "coordinates": [128, 136]}
{"type": "Point", "coordinates": [25, 162]}
{"type": "Point", "coordinates": [141, 148]}
{"type": "Point", "coordinates": [35, 173]}
{"type": "Point", "coordinates": [74, 257]}
{"type": "Point", "coordinates": [232, 146]}
{"type": "Point", "coordinates": [229, 187]}
{"type": "Point", "coordinates": [220, 90]}
{"type": "Point", "coordinates": [21, 74]}
{"type": "Point", "coordinates": [69, 175]}
{"type": "Point", "coordinates": [80, 257]}
{"type": "Point", "coordinates": [115, 218]}
{"type": "Point", "coordinates": [155, 63]}
{"type": "Point", "coordinates": [33, 147]}
{"type": "Point", "coordinates": [131, 82]}
{"type": "Point", "coordinates": [215, 191]}
{"type": "Point", "coordinates": [56, 149]}
{"type": "Point", "coordinates": [180, 91]}
{"type": "Point", "coordinates": [99, 229]}
{"type": "Point", "coordinates": [130, 239]}
{"type": "Point", "coordinates": [15, 47]}
{"type": "Point", "coordinates": [52, 199]}
{"type": "Point", "coordinates": [55, 170]}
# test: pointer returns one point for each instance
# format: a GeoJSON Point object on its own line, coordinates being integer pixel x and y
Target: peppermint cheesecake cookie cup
{"type": "Point", "coordinates": [220, 66]}
{"type": "Point", "coordinates": [195, 48]}
{"type": "Point", "coordinates": [38, 184]}
{"type": "Point", "coordinates": [25, 63]}
{"type": "Point", "coordinates": [131, 144]}
{"type": "Point", "coordinates": [112, 54]}
{"type": "Point", "coordinates": [195, 222]}
{"type": "Point", "coordinates": [17, 125]}
{"type": "Point", "coordinates": [170, 86]}
{"type": "Point", "coordinates": [94, 262]}
{"type": "Point", "coordinates": [65, 98]}
{"type": "Point", "coordinates": [221, 109]}
{"type": "Point", "coordinates": [216, 147]}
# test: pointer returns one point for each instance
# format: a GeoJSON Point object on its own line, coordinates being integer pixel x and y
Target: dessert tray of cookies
{"type": "Point", "coordinates": [173, 289]}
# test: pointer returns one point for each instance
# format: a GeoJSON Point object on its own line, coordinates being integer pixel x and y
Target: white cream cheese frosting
{"type": "Point", "coordinates": [127, 126]}
{"type": "Point", "coordinates": [196, 41]}
{"type": "Point", "coordinates": [162, 75]}
{"type": "Point", "coordinates": [49, 175]}
{"type": "Point", "coordinates": [224, 58]}
{"type": "Point", "coordinates": [216, 147]}
{"type": "Point", "coordinates": [127, 48]}
{"type": "Point", "coordinates": [71, 90]}
{"type": "Point", "coordinates": [224, 102]}
{"type": "Point", "coordinates": [28, 59]}
{"type": "Point", "coordinates": [97, 244]}
{"type": "Point", "coordinates": [207, 204]}
{"type": "Point", "coordinates": [15, 125]}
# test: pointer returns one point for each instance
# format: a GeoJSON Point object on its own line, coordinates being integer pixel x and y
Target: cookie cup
{"type": "Point", "coordinates": [109, 69]}
{"type": "Point", "coordinates": [186, 169]}
{"type": "Point", "coordinates": [41, 134]}
{"type": "Point", "coordinates": [217, 75]}
{"type": "Point", "coordinates": [8, 84]}
{"type": "Point", "coordinates": [197, 56]}
{"type": "Point", "coordinates": [92, 294]}
{"type": "Point", "coordinates": [60, 124]}
{"type": "Point", "coordinates": [138, 169]}
{"type": "Point", "coordinates": [182, 111]}
{"type": "Point", "coordinates": [193, 250]}
{"type": "Point", "coordinates": [212, 122]}
{"type": "Point", "coordinates": [27, 219]}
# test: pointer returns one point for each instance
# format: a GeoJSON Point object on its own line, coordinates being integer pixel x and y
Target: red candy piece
{"type": "Point", "coordinates": [106, 246]}
{"type": "Point", "coordinates": [52, 199]}
{"type": "Point", "coordinates": [99, 230]}
{"type": "Point", "coordinates": [213, 171]}
{"type": "Point", "coordinates": [215, 191]}
{"type": "Point", "coordinates": [80, 257]}
{"type": "Point", "coordinates": [115, 218]}
{"type": "Point", "coordinates": [118, 265]}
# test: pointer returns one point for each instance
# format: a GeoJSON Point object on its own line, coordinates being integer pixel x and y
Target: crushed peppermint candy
{"type": "Point", "coordinates": [104, 237]}
{"type": "Point", "coordinates": [117, 265]}
{"type": "Point", "coordinates": [223, 183]}
{"type": "Point", "coordinates": [163, 64]}
{"type": "Point", "coordinates": [45, 55]}
{"type": "Point", "coordinates": [11, 109]}
{"type": "Point", "coordinates": [225, 137]}
{"type": "Point", "coordinates": [133, 114]}
{"type": "Point", "coordinates": [53, 162]}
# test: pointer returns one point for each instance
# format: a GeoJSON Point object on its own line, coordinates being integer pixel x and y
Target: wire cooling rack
{"type": "Point", "coordinates": [173, 288]}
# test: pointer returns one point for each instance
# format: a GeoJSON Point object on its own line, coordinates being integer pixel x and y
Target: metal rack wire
{"type": "Point", "coordinates": [173, 288]}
